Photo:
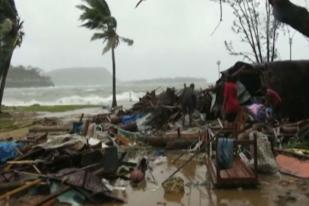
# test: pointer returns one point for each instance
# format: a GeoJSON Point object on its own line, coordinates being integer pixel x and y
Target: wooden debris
{"type": "Point", "coordinates": [26, 186]}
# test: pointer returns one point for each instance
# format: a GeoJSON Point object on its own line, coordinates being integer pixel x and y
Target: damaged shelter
{"type": "Point", "coordinates": [289, 78]}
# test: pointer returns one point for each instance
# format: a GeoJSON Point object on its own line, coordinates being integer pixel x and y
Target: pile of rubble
{"type": "Point", "coordinates": [69, 167]}
{"type": "Point", "coordinates": [89, 160]}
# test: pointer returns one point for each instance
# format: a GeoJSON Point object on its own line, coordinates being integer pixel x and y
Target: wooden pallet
{"type": "Point", "coordinates": [238, 175]}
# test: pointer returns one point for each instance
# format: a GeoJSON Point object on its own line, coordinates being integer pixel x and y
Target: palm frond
{"type": "Point", "coordinates": [138, 3]}
{"type": "Point", "coordinates": [128, 41]}
{"type": "Point", "coordinates": [97, 16]}
{"type": "Point", "coordinates": [7, 9]}
{"type": "Point", "coordinates": [20, 33]}
{"type": "Point", "coordinates": [97, 36]}
{"type": "Point", "coordinates": [111, 42]}
{"type": "Point", "coordinates": [99, 5]}
{"type": "Point", "coordinates": [11, 26]}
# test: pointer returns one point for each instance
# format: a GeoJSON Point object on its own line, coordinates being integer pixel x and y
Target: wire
{"type": "Point", "coordinates": [221, 19]}
{"type": "Point", "coordinates": [216, 28]}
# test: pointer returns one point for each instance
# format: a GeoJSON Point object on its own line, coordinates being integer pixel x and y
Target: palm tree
{"type": "Point", "coordinates": [97, 16]}
{"type": "Point", "coordinates": [11, 36]}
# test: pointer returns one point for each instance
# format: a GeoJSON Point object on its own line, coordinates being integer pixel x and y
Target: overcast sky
{"type": "Point", "coordinates": [171, 38]}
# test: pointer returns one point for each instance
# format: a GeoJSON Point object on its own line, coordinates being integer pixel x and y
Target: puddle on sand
{"type": "Point", "coordinates": [198, 192]}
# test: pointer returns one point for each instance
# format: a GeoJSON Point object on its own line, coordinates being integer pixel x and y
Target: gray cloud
{"type": "Point", "coordinates": [172, 38]}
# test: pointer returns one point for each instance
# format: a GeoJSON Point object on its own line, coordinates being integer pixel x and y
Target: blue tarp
{"type": "Point", "coordinates": [77, 127]}
{"type": "Point", "coordinates": [127, 119]}
{"type": "Point", "coordinates": [8, 151]}
{"type": "Point", "coordinates": [225, 153]}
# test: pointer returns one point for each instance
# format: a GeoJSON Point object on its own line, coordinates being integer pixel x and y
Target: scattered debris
{"type": "Point", "coordinates": [174, 185]}
{"type": "Point", "coordinates": [83, 162]}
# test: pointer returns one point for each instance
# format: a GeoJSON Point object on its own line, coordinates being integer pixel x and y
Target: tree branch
{"type": "Point", "coordinates": [291, 14]}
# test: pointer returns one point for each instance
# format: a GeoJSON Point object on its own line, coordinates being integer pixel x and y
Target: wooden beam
{"type": "Point", "coordinates": [27, 185]}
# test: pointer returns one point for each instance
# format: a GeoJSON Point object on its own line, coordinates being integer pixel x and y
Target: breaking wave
{"type": "Point", "coordinates": [75, 99]}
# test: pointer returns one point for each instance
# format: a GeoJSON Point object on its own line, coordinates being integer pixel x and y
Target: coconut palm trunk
{"type": "Point", "coordinates": [6, 68]}
{"type": "Point", "coordinates": [114, 103]}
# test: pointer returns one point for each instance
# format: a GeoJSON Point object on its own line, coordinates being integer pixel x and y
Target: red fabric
{"type": "Point", "coordinates": [273, 97]}
{"type": "Point", "coordinates": [231, 102]}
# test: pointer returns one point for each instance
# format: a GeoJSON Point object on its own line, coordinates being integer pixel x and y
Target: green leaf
{"type": "Point", "coordinates": [128, 41]}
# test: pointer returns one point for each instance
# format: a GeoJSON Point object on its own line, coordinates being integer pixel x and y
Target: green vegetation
{"type": "Point", "coordinates": [6, 122]}
{"type": "Point", "coordinates": [301, 140]}
{"type": "Point", "coordinates": [48, 108]}
{"type": "Point", "coordinates": [21, 76]}
{"type": "Point", "coordinates": [10, 122]}
{"type": "Point", "coordinates": [299, 144]}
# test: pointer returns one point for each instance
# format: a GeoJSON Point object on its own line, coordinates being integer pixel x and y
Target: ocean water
{"type": "Point", "coordinates": [76, 95]}
{"type": "Point", "coordinates": [69, 95]}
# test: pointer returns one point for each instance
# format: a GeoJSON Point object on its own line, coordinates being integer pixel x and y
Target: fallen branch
{"type": "Point", "coordinates": [291, 14]}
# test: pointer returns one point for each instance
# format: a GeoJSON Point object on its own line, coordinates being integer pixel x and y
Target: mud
{"type": "Point", "coordinates": [278, 190]}
{"type": "Point", "coordinates": [273, 190]}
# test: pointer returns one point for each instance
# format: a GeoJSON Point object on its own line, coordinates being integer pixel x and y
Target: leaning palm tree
{"type": "Point", "coordinates": [97, 16]}
{"type": "Point", "coordinates": [11, 35]}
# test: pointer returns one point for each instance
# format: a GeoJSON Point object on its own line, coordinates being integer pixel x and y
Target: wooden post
{"type": "Point", "coordinates": [255, 155]}
{"type": "Point", "coordinates": [217, 160]}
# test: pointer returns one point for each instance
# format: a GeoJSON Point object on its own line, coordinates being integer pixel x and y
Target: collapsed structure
{"type": "Point", "coordinates": [289, 78]}
{"type": "Point", "coordinates": [87, 157]}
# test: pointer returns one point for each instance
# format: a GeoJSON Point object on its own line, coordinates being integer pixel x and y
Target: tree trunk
{"type": "Point", "coordinates": [114, 103]}
{"type": "Point", "coordinates": [6, 68]}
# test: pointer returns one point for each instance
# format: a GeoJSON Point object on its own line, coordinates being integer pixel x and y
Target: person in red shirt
{"type": "Point", "coordinates": [273, 100]}
{"type": "Point", "coordinates": [231, 105]}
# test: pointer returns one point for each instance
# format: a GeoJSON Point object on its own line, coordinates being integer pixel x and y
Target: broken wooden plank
{"type": "Point", "coordinates": [25, 162]}
{"type": "Point", "coordinates": [27, 185]}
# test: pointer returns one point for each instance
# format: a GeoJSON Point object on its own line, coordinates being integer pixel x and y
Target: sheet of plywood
{"type": "Point", "coordinates": [293, 166]}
